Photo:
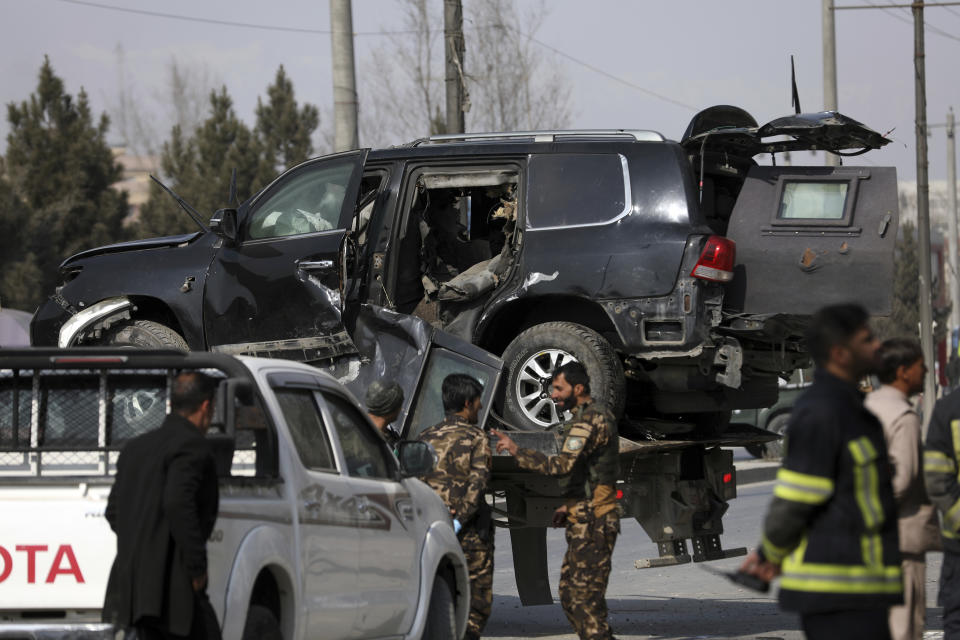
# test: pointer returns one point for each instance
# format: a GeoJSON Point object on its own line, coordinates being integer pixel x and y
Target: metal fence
{"type": "Point", "coordinates": [74, 422]}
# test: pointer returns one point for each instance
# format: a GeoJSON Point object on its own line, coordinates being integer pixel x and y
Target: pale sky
{"type": "Point", "coordinates": [696, 52]}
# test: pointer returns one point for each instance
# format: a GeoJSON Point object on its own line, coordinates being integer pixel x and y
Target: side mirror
{"type": "Point", "coordinates": [224, 224]}
{"type": "Point", "coordinates": [416, 458]}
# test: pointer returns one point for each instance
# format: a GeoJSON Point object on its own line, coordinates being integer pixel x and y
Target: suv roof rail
{"type": "Point", "coordinates": [547, 135]}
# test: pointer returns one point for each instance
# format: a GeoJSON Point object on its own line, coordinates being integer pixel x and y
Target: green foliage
{"type": "Point", "coordinates": [904, 319]}
{"type": "Point", "coordinates": [284, 130]}
{"type": "Point", "coordinates": [56, 197]}
{"type": "Point", "coordinates": [198, 164]}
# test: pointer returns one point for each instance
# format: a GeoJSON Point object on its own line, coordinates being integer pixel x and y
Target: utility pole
{"type": "Point", "coordinates": [952, 230]}
{"type": "Point", "coordinates": [345, 136]}
{"type": "Point", "coordinates": [453, 53]}
{"type": "Point", "coordinates": [829, 68]}
{"type": "Point", "coordinates": [923, 213]}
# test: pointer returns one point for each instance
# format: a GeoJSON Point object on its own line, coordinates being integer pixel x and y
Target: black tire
{"type": "Point", "coordinates": [778, 424]}
{"type": "Point", "coordinates": [261, 624]}
{"type": "Point", "coordinates": [536, 351]}
{"type": "Point", "coordinates": [145, 334]}
{"type": "Point", "coordinates": [441, 621]}
{"type": "Point", "coordinates": [756, 450]}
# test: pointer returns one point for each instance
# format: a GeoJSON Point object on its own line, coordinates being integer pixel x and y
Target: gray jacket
{"type": "Point", "coordinates": [919, 531]}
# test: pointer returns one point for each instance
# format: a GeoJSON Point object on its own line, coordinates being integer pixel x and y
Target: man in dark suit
{"type": "Point", "coordinates": [162, 507]}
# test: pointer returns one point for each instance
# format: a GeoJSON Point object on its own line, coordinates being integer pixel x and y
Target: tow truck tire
{"type": "Point", "coordinates": [441, 623]}
{"type": "Point", "coordinates": [538, 349]}
{"type": "Point", "coordinates": [145, 334]}
{"type": "Point", "coordinates": [261, 624]}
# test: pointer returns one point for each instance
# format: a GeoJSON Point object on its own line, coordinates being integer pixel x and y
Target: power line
{"type": "Point", "coordinates": [593, 68]}
{"type": "Point", "coordinates": [890, 10]}
{"type": "Point", "coordinates": [263, 27]}
{"type": "Point", "coordinates": [224, 23]}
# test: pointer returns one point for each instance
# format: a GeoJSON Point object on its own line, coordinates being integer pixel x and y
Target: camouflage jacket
{"type": "Point", "coordinates": [585, 453]}
{"type": "Point", "coordinates": [463, 465]}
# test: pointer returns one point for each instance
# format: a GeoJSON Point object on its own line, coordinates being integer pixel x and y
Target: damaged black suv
{"type": "Point", "coordinates": [680, 273]}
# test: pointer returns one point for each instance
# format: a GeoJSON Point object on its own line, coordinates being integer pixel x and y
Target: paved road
{"type": "Point", "coordinates": [675, 603]}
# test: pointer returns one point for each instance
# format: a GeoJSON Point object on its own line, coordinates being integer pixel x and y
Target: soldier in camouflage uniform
{"type": "Point", "coordinates": [587, 466]}
{"type": "Point", "coordinates": [460, 478]}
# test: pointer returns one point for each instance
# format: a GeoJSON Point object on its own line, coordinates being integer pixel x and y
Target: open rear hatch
{"type": "Point", "coordinates": [806, 236]}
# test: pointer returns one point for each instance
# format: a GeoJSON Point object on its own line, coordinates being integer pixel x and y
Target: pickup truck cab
{"type": "Point", "coordinates": [321, 532]}
{"type": "Point", "coordinates": [681, 273]}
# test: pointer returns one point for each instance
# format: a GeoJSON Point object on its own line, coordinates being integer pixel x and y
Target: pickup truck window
{"type": "Point", "coordinates": [308, 202]}
{"type": "Point", "coordinates": [365, 451]}
{"type": "Point", "coordinates": [577, 190]}
{"type": "Point", "coordinates": [306, 428]}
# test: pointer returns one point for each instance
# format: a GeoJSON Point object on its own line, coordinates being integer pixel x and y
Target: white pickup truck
{"type": "Point", "coordinates": [321, 532]}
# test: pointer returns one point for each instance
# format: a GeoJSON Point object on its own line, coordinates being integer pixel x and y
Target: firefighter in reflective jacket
{"type": "Point", "coordinates": [941, 461]}
{"type": "Point", "coordinates": [831, 529]}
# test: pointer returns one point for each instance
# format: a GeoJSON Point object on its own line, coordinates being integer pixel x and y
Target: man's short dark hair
{"type": "Point", "coordinates": [832, 326]}
{"type": "Point", "coordinates": [896, 353]}
{"type": "Point", "coordinates": [189, 390]}
{"type": "Point", "coordinates": [574, 373]}
{"type": "Point", "coordinates": [458, 389]}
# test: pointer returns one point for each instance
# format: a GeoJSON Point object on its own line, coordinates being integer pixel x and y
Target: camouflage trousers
{"type": "Point", "coordinates": [585, 572]}
{"type": "Point", "coordinates": [479, 555]}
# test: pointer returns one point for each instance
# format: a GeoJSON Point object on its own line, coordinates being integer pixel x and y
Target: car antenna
{"type": "Point", "coordinates": [183, 204]}
{"type": "Point", "coordinates": [795, 102]}
{"type": "Point", "coordinates": [233, 186]}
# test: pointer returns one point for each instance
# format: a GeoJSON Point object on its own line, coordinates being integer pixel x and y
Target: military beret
{"type": "Point", "coordinates": [383, 398]}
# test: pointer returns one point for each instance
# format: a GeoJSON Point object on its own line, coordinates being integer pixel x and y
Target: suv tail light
{"type": "Point", "coordinates": [716, 260]}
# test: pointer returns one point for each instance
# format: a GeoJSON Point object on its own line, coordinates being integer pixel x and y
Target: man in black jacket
{"type": "Point", "coordinates": [162, 507]}
{"type": "Point", "coordinates": [831, 529]}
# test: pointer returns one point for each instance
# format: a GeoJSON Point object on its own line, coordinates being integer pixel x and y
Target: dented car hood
{"type": "Point", "coordinates": [733, 130]}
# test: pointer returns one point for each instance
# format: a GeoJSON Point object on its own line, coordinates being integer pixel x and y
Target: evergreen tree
{"type": "Point", "coordinates": [283, 129]}
{"type": "Point", "coordinates": [58, 199]}
{"type": "Point", "coordinates": [198, 168]}
{"type": "Point", "coordinates": [904, 319]}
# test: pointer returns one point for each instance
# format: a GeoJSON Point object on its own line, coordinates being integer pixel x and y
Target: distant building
{"type": "Point", "coordinates": [136, 179]}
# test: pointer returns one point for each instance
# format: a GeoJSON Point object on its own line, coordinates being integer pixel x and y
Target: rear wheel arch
{"type": "Point", "coordinates": [510, 321]}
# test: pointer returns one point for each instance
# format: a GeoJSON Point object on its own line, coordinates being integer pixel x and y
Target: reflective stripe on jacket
{"type": "Point", "coordinates": [940, 470]}
{"type": "Point", "coordinates": [833, 522]}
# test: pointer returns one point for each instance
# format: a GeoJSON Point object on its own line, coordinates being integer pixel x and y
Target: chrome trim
{"type": "Point", "coordinates": [57, 631]}
{"type": "Point", "coordinates": [77, 323]}
{"type": "Point", "coordinates": [627, 206]}
{"type": "Point", "coordinates": [549, 135]}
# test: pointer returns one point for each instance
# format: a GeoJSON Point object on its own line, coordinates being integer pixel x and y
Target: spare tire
{"type": "Point", "coordinates": [531, 359]}
{"type": "Point", "coordinates": [145, 334]}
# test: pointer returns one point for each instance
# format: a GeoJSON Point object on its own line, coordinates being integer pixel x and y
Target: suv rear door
{"type": "Point", "coordinates": [806, 236]}
{"type": "Point", "coordinates": [278, 290]}
{"type": "Point", "coordinates": [812, 236]}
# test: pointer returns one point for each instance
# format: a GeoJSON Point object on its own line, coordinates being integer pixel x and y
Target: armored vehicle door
{"type": "Point", "coordinates": [806, 236]}
{"type": "Point", "coordinates": [278, 289]}
{"type": "Point", "coordinates": [812, 236]}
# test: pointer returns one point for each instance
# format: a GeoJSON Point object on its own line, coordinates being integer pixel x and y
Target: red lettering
{"type": "Point", "coordinates": [73, 569]}
{"type": "Point", "coordinates": [7, 564]}
{"type": "Point", "coordinates": [31, 550]}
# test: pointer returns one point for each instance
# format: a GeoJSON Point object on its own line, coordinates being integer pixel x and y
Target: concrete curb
{"type": "Point", "coordinates": [756, 471]}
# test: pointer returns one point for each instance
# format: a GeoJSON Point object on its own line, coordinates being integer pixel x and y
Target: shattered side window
{"type": "Point", "coordinates": [308, 202]}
